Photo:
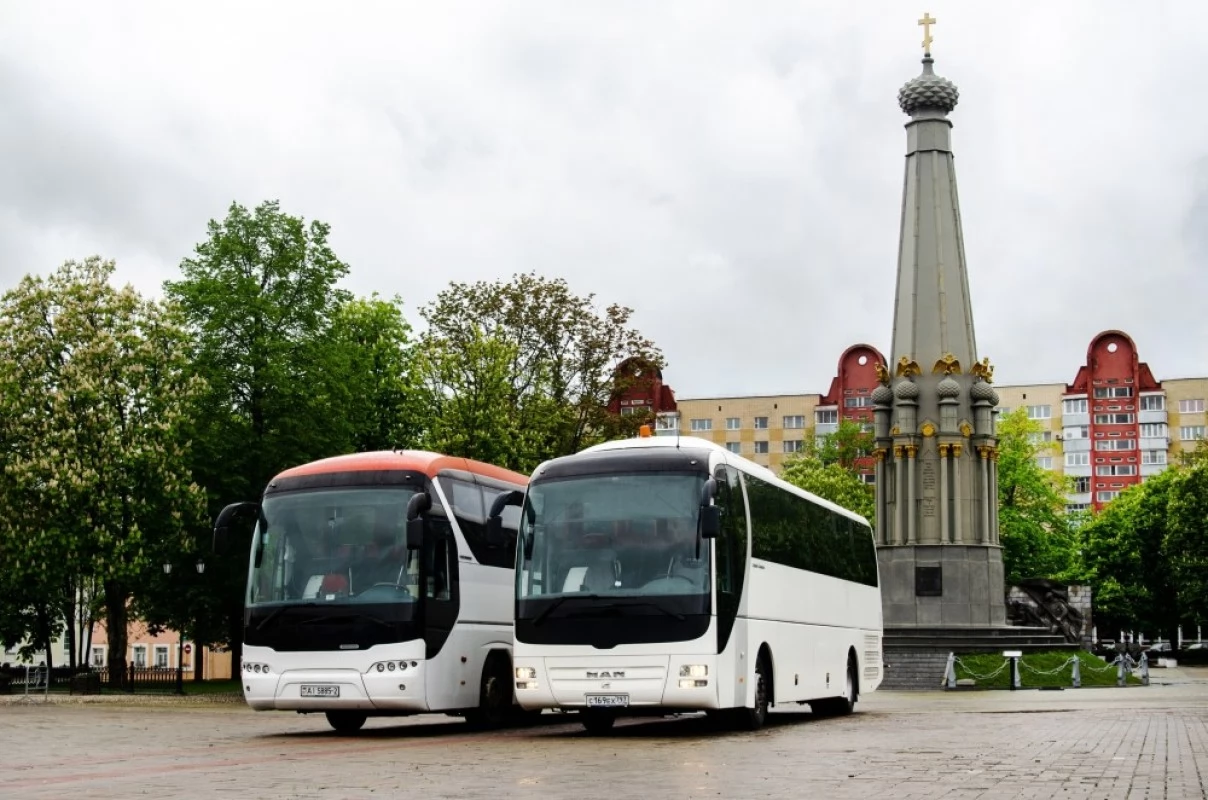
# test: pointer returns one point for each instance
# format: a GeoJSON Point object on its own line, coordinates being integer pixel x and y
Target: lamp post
{"type": "Point", "coordinates": [180, 634]}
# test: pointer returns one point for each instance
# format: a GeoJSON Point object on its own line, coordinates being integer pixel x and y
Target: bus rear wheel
{"type": "Point", "coordinates": [839, 706]}
{"type": "Point", "coordinates": [346, 721]}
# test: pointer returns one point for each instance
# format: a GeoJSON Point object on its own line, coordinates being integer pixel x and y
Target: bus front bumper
{"type": "Point", "coordinates": [337, 689]}
{"type": "Point", "coordinates": [686, 682]}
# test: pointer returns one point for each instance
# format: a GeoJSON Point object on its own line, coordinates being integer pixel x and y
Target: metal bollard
{"type": "Point", "coordinates": [1077, 673]}
{"type": "Point", "coordinates": [1144, 669]}
{"type": "Point", "coordinates": [1015, 683]}
{"type": "Point", "coordinates": [1120, 670]}
{"type": "Point", "coordinates": [950, 671]}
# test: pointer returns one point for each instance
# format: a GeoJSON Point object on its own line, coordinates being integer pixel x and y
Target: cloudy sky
{"type": "Point", "coordinates": [732, 171]}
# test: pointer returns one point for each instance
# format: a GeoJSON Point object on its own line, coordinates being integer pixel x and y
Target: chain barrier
{"type": "Point", "coordinates": [1123, 664]}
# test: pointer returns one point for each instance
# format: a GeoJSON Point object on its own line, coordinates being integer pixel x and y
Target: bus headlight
{"type": "Point", "coordinates": [694, 671]}
{"type": "Point", "coordinates": [525, 673]}
{"type": "Point", "coordinates": [692, 683]}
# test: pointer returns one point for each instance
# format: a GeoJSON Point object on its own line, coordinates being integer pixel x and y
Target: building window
{"type": "Point", "coordinates": [667, 422]}
{"type": "Point", "coordinates": [1106, 497]}
{"type": "Point", "coordinates": [797, 421]}
{"type": "Point", "coordinates": [857, 402]}
{"type": "Point", "coordinates": [1153, 402]}
{"type": "Point", "coordinates": [161, 656]}
{"type": "Point", "coordinates": [1153, 430]}
{"type": "Point", "coordinates": [1153, 457]}
{"type": "Point", "coordinates": [1074, 508]}
{"type": "Point", "coordinates": [1115, 419]}
{"type": "Point", "coordinates": [1077, 432]}
{"type": "Point", "coordinates": [1074, 406]}
{"type": "Point", "coordinates": [792, 445]}
{"type": "Point", "coordinates": [1040, 412]}
{"type": "Point", "coordinates": [1115, 470]}
{"type": "Point", "coordinates": [733, 423]}
{"type": "Point", "coordinates": [98, 657]}
{"type": "Point", "coordinates": [1112, 391]}
{"type": "Point", "coordinates": [869, 477]}
{"type": "Point", "coordinates": [1116, 444]}
{"type": "Point", "coordinates": [1040, 437]}
{"type": "Point", "coordinates": [1189, 433]}
{"type": "Point", "coordinates": [1082, 485]}
{"type": "Point", "coordinates": [734, 447]}
{"type": "Point", "coordinates": [1077, 459]}
{"type": "Point", "coordinates": [140, 655]}
{"type": "Point", "coordinates": [1191, 406]}
{"type": "Point", "coordinates": [761, 423]}
{"type": "Point", "coordinates": [702, 424]}
{"type": "Point", "coordinates": [761, 447]}
{"type": "Point", "coordinates": [827, 417]}
{"type": "Point", "coordinates": [1044, 462]}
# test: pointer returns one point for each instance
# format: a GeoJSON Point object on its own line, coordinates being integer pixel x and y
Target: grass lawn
{"type": "Point", "coordinates": [1095, 671]}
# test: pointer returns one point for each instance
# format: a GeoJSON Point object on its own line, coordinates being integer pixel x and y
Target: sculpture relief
{"type": "Point", "coordinates": [947, 364]}
{"type": "Point", "coordinates": [908, 366]}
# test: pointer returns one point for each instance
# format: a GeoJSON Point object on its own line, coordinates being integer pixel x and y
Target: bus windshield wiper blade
{"type": "Point", "coordinates": [545, 612]}
{"type": "Point", "coordinates": [273, 614]}
{"type": "Point", "coordinates": [643, 603]}
{"type": "Point", "coordinates": [337, 617]}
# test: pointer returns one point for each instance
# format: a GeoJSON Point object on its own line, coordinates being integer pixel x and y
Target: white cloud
{"type": "Point", "coordinates": [731, 171]}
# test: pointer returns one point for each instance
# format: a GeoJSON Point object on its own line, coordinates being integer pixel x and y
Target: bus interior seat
{"type": "Point", "coordinates": [594, 570]}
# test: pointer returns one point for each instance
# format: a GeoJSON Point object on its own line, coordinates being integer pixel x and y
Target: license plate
{"type": "Point", "coordinates": [607, 700]}
{"type": "Point", "coordinates": [329, 690]}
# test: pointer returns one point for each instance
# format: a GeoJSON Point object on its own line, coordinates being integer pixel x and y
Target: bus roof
{"type": "Point", "coordinates": [417, 460]}
{"type": "Point", "coordinates": [733, 459]}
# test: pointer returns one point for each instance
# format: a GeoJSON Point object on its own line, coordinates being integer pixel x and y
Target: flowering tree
{"type": "Point", "coordinates": [94, 394]}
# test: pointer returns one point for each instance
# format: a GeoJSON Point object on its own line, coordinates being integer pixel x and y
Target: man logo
{"type": "Point", "coordinates": [616, 673]}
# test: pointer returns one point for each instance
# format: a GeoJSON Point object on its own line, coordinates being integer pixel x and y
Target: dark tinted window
{"type": "Point", "coordinates": [470, 503]}
{"type": "Point", "coordinates": [793, 531]}
{"type": "Point", "coordinates": [731, 549]}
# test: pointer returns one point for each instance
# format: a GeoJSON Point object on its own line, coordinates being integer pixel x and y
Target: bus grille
{"type": "Point", "coordinates": [872, 656]}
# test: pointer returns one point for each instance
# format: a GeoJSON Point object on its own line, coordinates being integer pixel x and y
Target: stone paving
{"type": "Point", "coordinates": [1142, 742]}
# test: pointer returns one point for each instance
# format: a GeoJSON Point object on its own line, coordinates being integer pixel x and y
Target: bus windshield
{"type": "Point", "coordinates": [334, 546]}
{"type": "Point", "coordinates": [617, 535]}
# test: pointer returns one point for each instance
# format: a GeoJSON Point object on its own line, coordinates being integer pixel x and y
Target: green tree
{"type": "Point", "coordinates": [1035, 534]}
{"type": "Point", "coordinates": [1127, 561]}
{"type": "Point", "coordinates": [848, 442]}
{"type": "Point", "coordinates": [261, 301]}
{"type": "Point", "coordinates": [95, 392]}
{"type": "Point", "coordinates": [831, 482]}
{"type": "Point", "coordinates": [562, 354]}
{"type": "Point", "coordinates": [1186, 544]}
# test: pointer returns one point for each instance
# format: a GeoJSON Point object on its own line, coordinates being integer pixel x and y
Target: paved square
{"type": "Point", "coordinates": [1145, 742]}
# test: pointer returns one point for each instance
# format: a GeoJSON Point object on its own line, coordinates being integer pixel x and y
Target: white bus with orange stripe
{"type": "Point", "coordinates": [374, 589]}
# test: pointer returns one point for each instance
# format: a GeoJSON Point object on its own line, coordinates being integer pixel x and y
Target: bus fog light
{"type": "Point", "coordinates": [692, 683]}
{"type": "Point", "coordinates": [390, 666]}
{"type": "Point", "coordinates": [381, 667]}
{"type": "Point", "coordinates": [526, 684]}
{"type": "Point", "coordinates": [525, 673]}
{"type": "Point", "coordinates": [694, 671]}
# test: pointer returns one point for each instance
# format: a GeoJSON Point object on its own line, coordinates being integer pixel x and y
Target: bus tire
{"type": "Point", "coordinates": [752, 719]}
{"type": "Point", "coordinates": [844, 705]}
{"type": "Point", "coordinates": [597, 722]}
{"type": "Point", "coordinates": [346, 721]}
{"type": "Point", "coordinates": [495, 701]}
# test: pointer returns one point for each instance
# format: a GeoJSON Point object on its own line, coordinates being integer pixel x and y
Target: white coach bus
{"type": "Point", "coordinates": [374, 589]}
{"type": "Point", "coordinates": [668, 575]}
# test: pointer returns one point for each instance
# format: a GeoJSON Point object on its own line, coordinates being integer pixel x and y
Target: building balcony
{"type": "Point", "coordinates": [1083, 471]}
{"type": "Point", "coordinates": [825, 428]}
{"type": "Point", "coordinates": [1152, 416]}
{"type": "Point", "coordinates": [1078, 497]}
{"type": "Point", "coordinates": [1076, 419]}
{"type": "Point", "coordinates": [1149, 470]}
{"type": "Point", "coordinates": [1155, 443]}
{"type": "Point", "coordinates": [1076, 446]}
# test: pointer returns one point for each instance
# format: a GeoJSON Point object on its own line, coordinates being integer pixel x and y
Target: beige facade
{"type": "Point", "coordinates": [763, 428]}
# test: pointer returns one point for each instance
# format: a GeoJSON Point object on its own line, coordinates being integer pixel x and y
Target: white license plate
{"type": "Point", "coordinates": [320, 690]}
{"type": "Point", "coordinates": [607, 700]}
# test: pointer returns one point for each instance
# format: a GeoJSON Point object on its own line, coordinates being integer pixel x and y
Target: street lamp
{"type": "Point", "coordinates": [180, 635]}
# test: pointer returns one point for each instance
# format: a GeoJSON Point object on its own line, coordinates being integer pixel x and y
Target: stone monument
{"type": "Point", "coordinates": [936, 472]}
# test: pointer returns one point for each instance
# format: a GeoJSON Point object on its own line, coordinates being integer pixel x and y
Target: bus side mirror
{"type": "Point", "coordinates": [222, 524]}
{"type": "Point", "coordinates": [495, 535]}
{"type": "Point", "coordinates": [710, 522]}
{"type": "Point", "coordinates": [416, 506]}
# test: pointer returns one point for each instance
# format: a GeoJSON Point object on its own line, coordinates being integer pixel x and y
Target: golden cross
{"type": "Point", "coordinates": [927, 21]}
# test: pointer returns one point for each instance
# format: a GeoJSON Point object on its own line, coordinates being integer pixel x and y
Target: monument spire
{"type": "Point", "coordinates": [937, 510]}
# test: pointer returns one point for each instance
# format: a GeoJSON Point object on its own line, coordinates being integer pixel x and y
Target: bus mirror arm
{"type": "Point", "coordinates": [222, 524]}
{"type": "Point", "coordinates": [495, 534]}
{"type": "Point", "coordinates": [416, 506]}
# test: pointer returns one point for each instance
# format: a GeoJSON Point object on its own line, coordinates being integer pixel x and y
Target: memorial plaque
{"type": "Point", "coordinates": [928, 582]}
{"type": "Point", "coordinates": [929, 506]}
{"type": "Point", "coordinates": [929, 481]}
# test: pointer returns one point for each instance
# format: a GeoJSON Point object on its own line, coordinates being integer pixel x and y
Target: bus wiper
{"type": "Point", "coordinates": [273, 614]}
{"type": "Point", "coordinates": [336, 617]}
{"type": "Point", "coordinates": [545, 612]}
{"type": "Point", "coordinates": [644, 603]}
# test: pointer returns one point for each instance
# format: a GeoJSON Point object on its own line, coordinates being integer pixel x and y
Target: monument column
{"type": "Point", "coordinates": [940, 561]}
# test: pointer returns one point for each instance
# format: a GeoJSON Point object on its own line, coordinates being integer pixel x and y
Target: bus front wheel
{"type": "Point", "coordinates": [346, 721]}
{"type": "Point", "coordinates": [752, 719]}
{"type": "Point", "coordinates": [495, 707]}
{"type": "Point", "coordinates": [597, 722]}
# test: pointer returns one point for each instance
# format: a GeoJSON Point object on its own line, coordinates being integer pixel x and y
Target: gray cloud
{"type": "Point", "coordinates": [732, 172]}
